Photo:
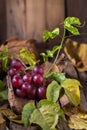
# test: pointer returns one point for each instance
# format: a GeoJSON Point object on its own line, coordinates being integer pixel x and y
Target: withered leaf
{"type": "Point", "coordinates": [1, 119]}
{"type": "Point", "coordinates": [78, 121]}
{"type": "Point", "coordinates": [77, 53]}
{"type": "Point", "coordinates": [9, 114]}
{"type": "Point", "coordinates": [15, 45]}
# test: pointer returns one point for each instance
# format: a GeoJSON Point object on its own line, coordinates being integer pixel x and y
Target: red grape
{"type": "Point", "coordinates": [16, 64]}
{"type": "Point", "coordinates": [26, 87]}
{"type": "Point", "coordinates": [38, 70]}
{"type": "Point", "coordinates": [38, 79]}
{"type": "Point", "coordinates": [32, 92]}
{"type": "Point", "coordinates": [27, 78]}
{"type": "Point", "coordinates": [17, 81]}
{"type": "Point", "coordinates": [12, 72]}
{"type": "Point", "coordinates": [41, 92]}
{"type": "Point", "coordinates": [19, 93]}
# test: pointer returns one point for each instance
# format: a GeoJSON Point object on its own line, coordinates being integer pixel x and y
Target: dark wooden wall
{"type": "Point", "coordinates": [78, 8]}
{"type": "Point", "coordinates": [29, 18]}
{"type": "Point", "coordinates": [2, 20]}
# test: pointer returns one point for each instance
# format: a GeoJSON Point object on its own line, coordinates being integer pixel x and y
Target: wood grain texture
{"type": "Point", "coordinates": [2, 21]}
{"type": "Point", "coordinates": [29, 18]}
{"type": "Point", "coordinates": [16, 18]}
{"type": "Point", "coordinates": [78, 9]}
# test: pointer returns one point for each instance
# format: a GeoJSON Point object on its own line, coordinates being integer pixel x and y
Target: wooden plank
{"type": "Point", "coordinates": [2, 21]}
{"type": "Point", "coordinates": [55, 13]}
{"type": "Point", "coordinates": [78, 9]}
{"type": "Point", "coordinates": [36, 18]}
{"type": "Point", "coordinates": [43, 14]}
{"type": "Point", "coordinates": [16, 18]}
{"type": "Point", "coordinates": [29, 18]}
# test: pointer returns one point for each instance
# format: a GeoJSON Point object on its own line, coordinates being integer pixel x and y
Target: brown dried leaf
{"type": "Point", "coordinates": [10, 115]}
{"type": "Point", "coordinates": [77, 53]}
{"type": "Point", "coordinates": [47, 65]}
{"type": "Point", "coordinates": [15, 45]}
{"type": "Point", "coordinates": [1, 119]}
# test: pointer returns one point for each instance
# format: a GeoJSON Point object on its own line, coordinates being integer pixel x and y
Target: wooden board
{"type": "Point", "coordinates": [78, 9]}
{"type": "Point", "coordinates": [29, 18]}
{"type": "Point", "coordinates": [2, 21]}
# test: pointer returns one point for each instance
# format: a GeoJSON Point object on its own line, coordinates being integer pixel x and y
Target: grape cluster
{"type": "Point", "coordinates": [28, 84]}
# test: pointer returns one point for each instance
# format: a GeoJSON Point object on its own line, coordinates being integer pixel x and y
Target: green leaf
{"type": "Point", "coordinates": [48, 34]}
{"type": "Point", "coordinates": [69, 22]}
{"type": "Point", "coordinates": [50, 53]}
{"type": "Point", "coordinates": [56, 48]}
{"type": "Point", "coordinates": [37, 118]}
{"type": "Point", "coordinates": [2, 85]}
{"type": "Point", "coordinates": [4, 95]}
{"type": "Point", "coordinates": [46, 116]}
{"type": "Point", "coordinates": [71, 87]}
{"type": "Point", "coordinates": [57, 76]}
{"type": "Point", "coordinates": [53, 91]}
{"type": "Point", "coordinates": [61, 114]}
{"type": "Point", "coordinates": [28, 57]}
{"type": "Point", "coordinates": [26, 113]}
{"type": "Point", "coordinates": [4, 56]}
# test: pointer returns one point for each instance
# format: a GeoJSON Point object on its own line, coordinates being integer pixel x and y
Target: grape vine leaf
{"type": "Point", "coordinates": [4, 94]}
{"type": "Point", "coordinates": [57, 76]}
{"type": "Point", "coordinates": [71, 87]}
{"type": "Point", "coordinates": [50, 34]}
{"type": "Point", "coordinates": [4, 56]}
{"type": "Point", "coordinates": [50, 53]}
{"type": "Point", "coordinates": [46, 101]}
{"type": "Point", "coordinates": [69, 24]}
{"type": "Point", "coordinates": [30, 58]}
{"type": "Point", "coordinates": [26, 113]}
{"type": "Point", "coordinates": [46, 116]}
{"type": "Point", "coordinates": [53, 91]}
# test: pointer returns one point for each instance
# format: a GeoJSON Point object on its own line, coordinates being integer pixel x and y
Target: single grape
{"type": "Point", "coordinates": [41, 92]}
{"type": "Point", "coordinates": [31, 93]}
{"type": "Point", "coordinates": [38, 70]}
{"type": "Point", "coordinates": [26, 87]}
{"type": "Point", "coordinates": [16, 64]}
{"type": "Point", "coordinates": [27, 78]}
{"type": "Point", "coordinates": [20, 93]}
{"type": "Point", "coordinates": [12, 72]}
{"type": "Point", "coordinates": [38, 79]}
{"type": "Point", "coordinates": [17, 81]}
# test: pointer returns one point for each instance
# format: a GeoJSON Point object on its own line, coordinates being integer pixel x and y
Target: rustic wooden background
{"type": "Point", "coordinates": [28, 19]}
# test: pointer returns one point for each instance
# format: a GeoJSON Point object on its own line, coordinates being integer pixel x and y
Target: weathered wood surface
{"type": "Point", "coordinates": [2, 20]}
{"type": "Point", "coordinates": [29, 18]}
{"type": "Point", "coordinates": [78, 9]}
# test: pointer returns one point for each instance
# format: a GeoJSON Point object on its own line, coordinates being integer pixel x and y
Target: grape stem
{"type": "Point", "coordinates": [58, 52]}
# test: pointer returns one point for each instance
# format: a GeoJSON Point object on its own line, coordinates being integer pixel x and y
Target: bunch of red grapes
{"type": "Point", "coordinates": [28, 84]}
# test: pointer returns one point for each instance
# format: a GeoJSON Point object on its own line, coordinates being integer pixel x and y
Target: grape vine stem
{"type": "Point", "coordinates": [58, 52]}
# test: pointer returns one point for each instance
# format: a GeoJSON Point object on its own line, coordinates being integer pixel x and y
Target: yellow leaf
{"type": "Point", "coordinates": [71, 87]}
{"type": "Point", "coordinates": [77, 53]}
{"type": "Point", "coordinates": [9, 114]}
{"type": "Point", "coordinates": [78, 121]}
